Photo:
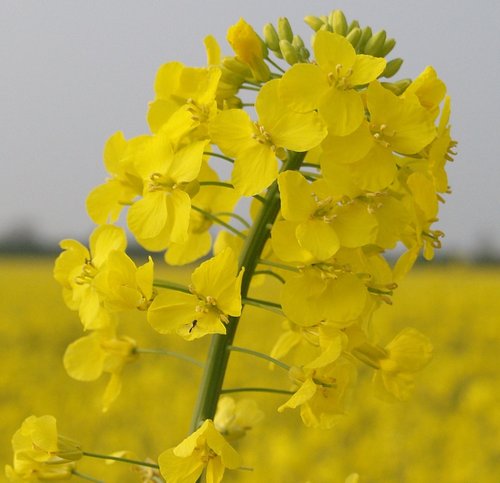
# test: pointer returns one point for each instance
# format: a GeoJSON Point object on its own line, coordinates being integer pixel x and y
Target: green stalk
{"type": "Point", "coordinates": [218, 355]}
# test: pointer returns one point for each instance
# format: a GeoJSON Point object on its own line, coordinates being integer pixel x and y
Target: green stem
{"type": "Point", "coordinates": [274, 64]}
{"type": "Point", "coordinates": [86, 477]}
{"type": "Point", "coordinates": [235, 216]}
{"type": "Point", "coordinates": [171, 285]}
{"type": "Point", "coordinates": [122, 460]}
{"type": "Point", "coordinates": [163, 352]}
{"type": "Point", "coordinates": [271, 274]}
{"type": "Point", "coordinates": [216, 183]}
{"type": "Point", "coordinates": [263, 304]}
{"type": "Point", "coordinates": [283, 266]}
{"type": "Point", "coordinates": [248, 88]}
{"type": "Point", "coordinates": [255, 389]}
{"type": "Point", "coordinates": [260, 355]}
{"type": "Point", "coordinates": [218, 355]}
{"type": "Point", "coordinates": [217, 220]}
{"type": "Point", "coordinates": [217, 155]}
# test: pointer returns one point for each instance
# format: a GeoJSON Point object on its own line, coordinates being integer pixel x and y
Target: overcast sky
{"type": "Point", "coordinates": [74, 72]}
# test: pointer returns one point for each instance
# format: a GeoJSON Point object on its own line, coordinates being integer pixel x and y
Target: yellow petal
{"type": "Point", "coordinates": [232, 131]}
{"type": "Point", "coordinates": [344, 300]}
{"type": "Point", "coordinates": [319, 238]}
{"type": "Point", "coordinates": [84, 358]}
{"type": "Point", "coordinates": [114, 151]}
{"type": "Point", "coordinates": [331, 50]}
{"type": "Point", "coordinates": [305, 392]}
{"type": "Point", "coordinates": [366, 69]}
{"type": "Point", "coordinates": [302, 87]}
{"type": "Point", "coordinates": [342, 110]}
{"type": "Point", "coordinates": [171, 310]}
{"type": "Point", "coordinates": [212, 49]}
{"type": "Point", "coordinates": [148, 216]}
{"type": "Point", "coordinates": [112, 391]}
{"type": "Point", "coordinates": [178, 208]}
{"type": "Point", "coordinates": [196, 246]}
{"type": "Point", "coordinates": [103, 240]}
{"type": "Point", "coordinates": [297, 202]}
{"type": "Point", "coordinates": [180, 469]}
{"type": "Point", "coordinates": [355, 225]}
{"type": "Point", "coordinates": [285, 244]}
{"type": "Point", "coordinates": [254, 170]}
{"type": "Point", "coordinates": [167, 79]}
{"type": "Point", "coordinates": [349, 148]}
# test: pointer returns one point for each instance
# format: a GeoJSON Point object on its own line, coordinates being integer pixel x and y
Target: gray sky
{"type": "Point", "coordinates": [72, 73]}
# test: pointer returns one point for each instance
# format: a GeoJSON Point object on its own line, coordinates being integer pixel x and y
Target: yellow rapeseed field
{"type": "Point", "coordinates": [448, 432]}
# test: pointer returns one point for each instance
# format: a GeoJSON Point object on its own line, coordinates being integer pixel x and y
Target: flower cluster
{"type": "Point", "coordinates": [342, 168]}
{"type": "Point", "coordinates": [40, 453]}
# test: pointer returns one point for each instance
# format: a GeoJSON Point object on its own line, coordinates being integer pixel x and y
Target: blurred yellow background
{"type": "Point", "coordinates": [448, 432]}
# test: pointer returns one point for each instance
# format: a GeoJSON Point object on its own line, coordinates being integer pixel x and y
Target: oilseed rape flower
{"type": "Point", "coordinates": [397, 363]}
{"type": "Point", "coordinates": [322, 393]}
{"type": "Point", "coordinates": [162, 214]}
{"type": "Point", "coordinates": [87, 358]}
{"type": "Point", "coordinates": [256, 145]}
{"type": "Point", "coordinates": [105, 202]}
{"type": "Point", "coordinates": [182, 93]}
{"type": "Point", "coordinates": [329, 85]}
{"type": "Point", "coordinates": [76, 269]}
{"type": "Point", "coordinates": [215, 296]}
{"type": "Point", "coordinates": [234, 419]}
{"type": "Point", "coordinates": [205, 449]}
{"type": "Point", "coordinates": [40, 453]}
{"type": "Point", "coordinates": [249, 49]}
{"type": "Point", "coordinates": [103, 280]}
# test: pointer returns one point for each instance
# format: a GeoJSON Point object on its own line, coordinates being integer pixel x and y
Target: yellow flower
{"type": "Point", "coordinates": [215, 295]}
{"type": "Point", "coordinates": [205, 449]}
{"type": "Point", "coordinates": [429, 89]}
{"type": "Point", "coordinates": [249, 49]}
{"type": "Point", "coordinates": [255, 145]}
{"type": "Point", "coordinates": [169, 175]}
{"type": "Point", "coordinates": [76, 269]}
{"type": "Point", "coordinates": [329, 85]}
{"type": "Point", "coordinates": [102, 351]}
{"type": "Point", "coordinates": [104, 280]}
{"type": "Point", "coordinates": [322, 393]}
{"type": "Point", "coordinates": [186, 94]}
{"type": "Point", "coordinates": [321, 222]}
{"type": "Point", "coordinates": [40, 453]}
{"type": "Point", "coordinates": [233, 419]}
{"type": "Point", "coordinates": [106, 201]}
{"type": "Point", "coordinates": [324, 293]}
{"type": "Point", "coordinates": [397, 363]}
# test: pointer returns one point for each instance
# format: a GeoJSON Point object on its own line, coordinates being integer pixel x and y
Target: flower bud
{"type": "Point", "coordinates": [234, 65]}
{"type": "Point", "coordinates": [338, 21]}
{"type": "Point", "coordinates": [388, 46]}
{"type": "Point", "coordinates": [397, 87]}
{"type": "Point", "coordinates": [375, 44]}
{"type": "Point", "coordinates": [271, 37]}
{"type": "Point", "coordinates": [392, 67]}
{"type": "Point", "coordinates": [366, 34]}
{"type": "Point", "coordinates": [289, 52]}
{"type": "Point", "coordinates": [284, 29]}
{"type": "Point", "coordinates": [353, 25]}
{"type": "Point", "coordinates": [314, 22]}
{"type": "Point", "coordinates": [354, 36]}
